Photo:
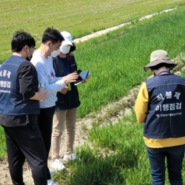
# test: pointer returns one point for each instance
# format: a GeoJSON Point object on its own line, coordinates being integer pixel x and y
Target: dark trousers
{"type": "Point", "coordinates": [45, 120]}
{"type": "Point", "coordinates": [26, 142]}
{"type": "Point", "coordinates": [174, 156]}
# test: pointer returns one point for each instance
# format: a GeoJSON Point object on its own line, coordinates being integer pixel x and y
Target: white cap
{"type": "Point", "coordinates": [67, 38]}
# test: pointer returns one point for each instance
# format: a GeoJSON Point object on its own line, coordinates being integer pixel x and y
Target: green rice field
{"type": "Point", "coordinates": [119, 155]}
{"type": "Point", "coordinates": [116, 62]}
{"type": "Point", "coordinates": [78, 17]}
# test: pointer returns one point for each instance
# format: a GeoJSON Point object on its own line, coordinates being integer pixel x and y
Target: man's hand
{"type": "Point", "coordinates": [70, 78]}
{"type": "Point", "coordinates": [88, 76]}
{"type": "Point", "coordinates": [85, 80]}
{"type": "Point", "coordinates": [64, 90]}
{"type": "Point", "coordinates": [39, 96]}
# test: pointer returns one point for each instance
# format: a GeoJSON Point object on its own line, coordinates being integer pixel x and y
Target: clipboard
{"type": "Point", "coordinates": [82, 76]}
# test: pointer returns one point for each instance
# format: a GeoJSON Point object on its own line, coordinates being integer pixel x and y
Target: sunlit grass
{"type": "Point", "coordinates": [78, 17]}
{"type": "Point", "coordinates": [125, 163]}
{"type": "Point", "coordinates": [3, 150]}
{"type": "Point", "coordinates": [116, 60]}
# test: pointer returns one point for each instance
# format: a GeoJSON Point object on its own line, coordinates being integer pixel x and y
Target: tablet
{"type": "Point", "coordinates": [82, 75]}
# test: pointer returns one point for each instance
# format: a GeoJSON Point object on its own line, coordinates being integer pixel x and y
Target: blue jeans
{"type": "Point", "coordinates": [174, 156]}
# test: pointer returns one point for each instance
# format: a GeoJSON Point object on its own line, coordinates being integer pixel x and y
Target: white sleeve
{"type": "Point", "coordinates": [51, 88]}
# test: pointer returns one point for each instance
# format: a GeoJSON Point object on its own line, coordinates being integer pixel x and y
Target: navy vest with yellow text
{"type": "Point", "coordinates": [11, 100]}
{"type": "Point", "coordinates": [166, 107]}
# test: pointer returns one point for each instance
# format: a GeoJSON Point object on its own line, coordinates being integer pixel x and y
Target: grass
{"type": "Point", "coordinates": [116, 60]}
{"type": "Point", "coordinates": [126, 163]}
{"type": "Point", "coordinates": [79, 17]}
{"type": "Point", "coordinates": [182, 73]}
{"type": "Point", "coordinates": [3, 150]}
{"type": "Point", "coordinates": [84, 127]}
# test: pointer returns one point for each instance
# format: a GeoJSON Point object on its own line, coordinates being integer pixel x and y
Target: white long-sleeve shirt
{"type": "Point", "coordinates": [46, 74]}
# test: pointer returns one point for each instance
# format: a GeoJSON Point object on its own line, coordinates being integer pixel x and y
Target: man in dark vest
{"type": "Point", "coordinates": [19, 109]}
{"type": "Point", "coordinates": [160, 105]}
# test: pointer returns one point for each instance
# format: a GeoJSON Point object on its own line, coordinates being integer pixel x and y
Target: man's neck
{"type": "Point", "coordinates": [162, 70]}
{"type": "Point", "coordinates": [20, 54]}
{"type": "Point", "coordinates": [43, 50]}
{"type": "Point", "coordinates": [62, 55]}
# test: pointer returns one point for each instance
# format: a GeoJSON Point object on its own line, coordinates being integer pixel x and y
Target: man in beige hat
{"type": "Point", "coordinates": [160, 105]}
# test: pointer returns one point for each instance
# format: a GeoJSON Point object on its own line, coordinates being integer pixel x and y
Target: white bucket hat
{"type": "Point", "coordinates": [67, 38]}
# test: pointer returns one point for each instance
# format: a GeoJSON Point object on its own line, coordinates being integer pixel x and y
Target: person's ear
{"type": "Point", "coordinates": [49, 43]}
{"type": "Point", "coordinates": [26, 47]}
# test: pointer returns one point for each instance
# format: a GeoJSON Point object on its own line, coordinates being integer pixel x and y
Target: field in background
{"type": "Point", "coordinates": [116, 60]}
{"type": "Point", "coordinates": [78, 17]}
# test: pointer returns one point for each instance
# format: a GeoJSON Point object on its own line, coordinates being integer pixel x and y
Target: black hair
{"type": "Point", "coordinates": [52, 35]}
{"type": "Point", "coordinates": [162, 65]}
{"type": "Point", "coordinates": [21, 39]}
{"type": "Point", "coordinates": [73, 48]}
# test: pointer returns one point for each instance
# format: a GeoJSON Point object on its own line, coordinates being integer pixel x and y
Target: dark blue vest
{"type": "Point", "coordinates": [69, 100]}
{"type": "Point", "coordinates": [11, 100]}
{"type": "Point", "coordinates": [166, 108]}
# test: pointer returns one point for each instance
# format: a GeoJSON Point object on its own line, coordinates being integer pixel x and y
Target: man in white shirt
{"type": "Point", "coordinates": [42, 61]}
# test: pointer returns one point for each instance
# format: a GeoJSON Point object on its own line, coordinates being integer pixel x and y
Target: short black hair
{"type": "Point", "coordinates": [21, 39]}
{"type": "Point", "coordinates": [73, 48]}
{"type": "Point", "coordinates": [52, 35]}
{"type": "Point", "coordinates": [162, 65]}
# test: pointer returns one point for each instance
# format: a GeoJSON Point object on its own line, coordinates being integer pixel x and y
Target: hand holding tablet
{"type": "Point", "coordinates": [83, 75]}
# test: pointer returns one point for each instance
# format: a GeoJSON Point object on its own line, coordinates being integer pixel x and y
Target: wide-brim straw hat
{"type": "Point", "coordinates": [159, 57]}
